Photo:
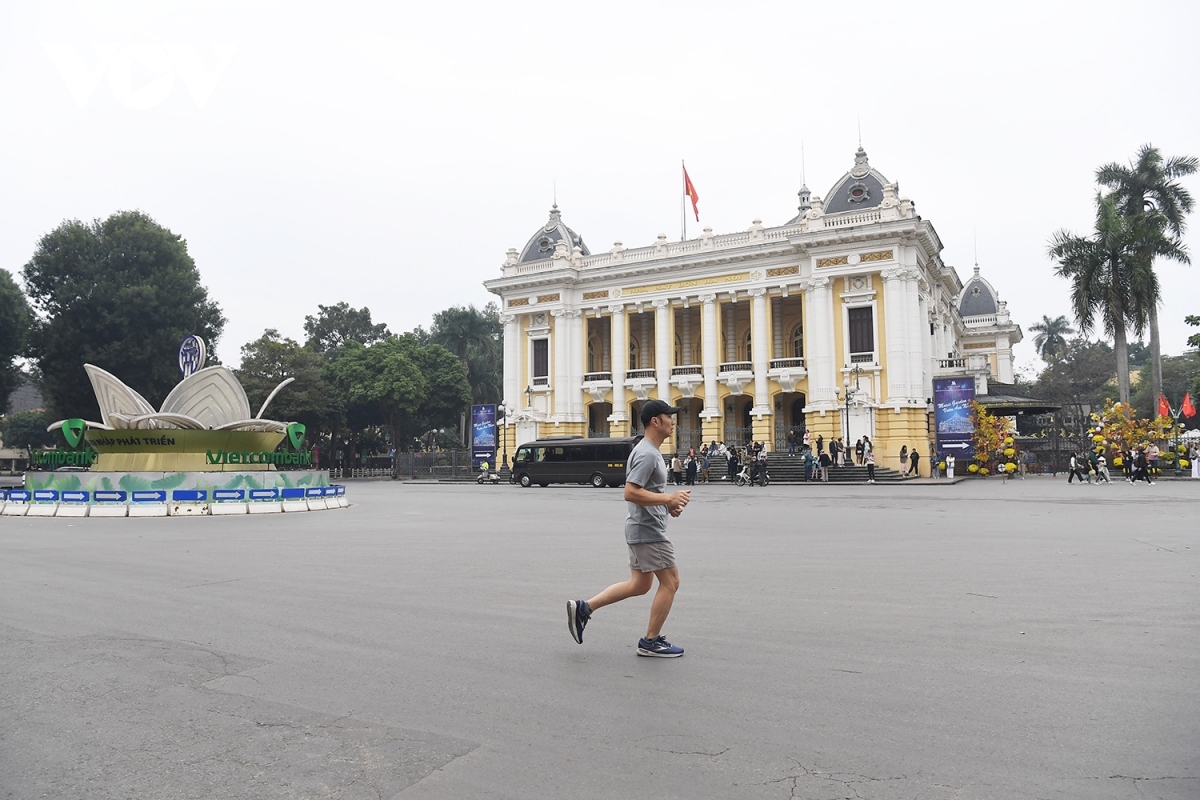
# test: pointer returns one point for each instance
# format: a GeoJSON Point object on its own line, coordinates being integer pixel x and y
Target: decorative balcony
{"type": "Point", "coordinates": [597, 384]}
{"type": "Point", "coordinates": [641, 381]}
{"type": "Point", "coordinates": [787, 371]}
{"type": "Point", "coordinates": [736, 375]}
{"type": "Point", "coordinates": [862, 358]}
{"type": "Point", "coordinates": [686, 378]}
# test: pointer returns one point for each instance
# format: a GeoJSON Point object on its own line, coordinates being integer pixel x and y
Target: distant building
{"type": "Point", "coordinates": [836, 321]}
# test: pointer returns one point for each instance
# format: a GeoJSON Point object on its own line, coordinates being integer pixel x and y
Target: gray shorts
{"type": "Point", "coordinates": [651, 556]}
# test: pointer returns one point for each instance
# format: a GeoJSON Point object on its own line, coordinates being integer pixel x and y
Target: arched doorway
{"type": "Point", "coordinates": [790, 418]}
{"type": "Point", "coordinates": [598, 414]}
{"type": "Point", "coordinates": [739, 426]}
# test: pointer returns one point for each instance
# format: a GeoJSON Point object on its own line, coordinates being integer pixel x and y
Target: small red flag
{"type": "Point", "coordinates": [1164, 408]}
{"type": "Point", "coordinates": [1189, 410]}
{"type": "Point", "coordinates": [690, 191]}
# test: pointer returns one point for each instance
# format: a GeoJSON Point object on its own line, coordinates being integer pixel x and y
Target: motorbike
{"type": "Point", "coordinates": [487, 477]}
{"type": "Point", "coordinates": [762, 478]}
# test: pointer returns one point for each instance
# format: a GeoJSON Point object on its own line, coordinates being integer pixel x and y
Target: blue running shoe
{"type": "Point", "coordinates": [658, 648]}
{"type": "Point", "coordinates": [578, 614]}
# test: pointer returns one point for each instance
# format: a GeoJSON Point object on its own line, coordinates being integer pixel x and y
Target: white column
{"type": "Point", "coordinates": [895, 312]}
{"type": "Point", "coordinates": [708, 356]}
{"type": "Point", "coordinates": [687, 335]}
{"type": "Point", "coordinates": [619, 362]}
{"type": "Point", "coordinates": [926, 350]}
{"type": "Point", "coordinates": [662, 348]}
{"type": "Point", "coordinates": [777, 327]}
{"type": "Point", "coordinates": [761, 350]}
{"type": "Point", "coordinates": [576, 364]}
{"type": "Point", "coordinates": [606, 347]}
{"type": "Point", "coordinates": [560, 341]}
{"type": "Point", "coordinates": [818, 354]}
{"type": "Point", "coordinates": [512, 361]}
{"type": "Point", "coordinates": [644, 345]}
{"type": "Point", "coordinates": [916, 357]}
{"type": "Point", "coordinates": [730, 331]}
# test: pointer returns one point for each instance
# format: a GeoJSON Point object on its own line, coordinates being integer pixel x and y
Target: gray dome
{"type": "Point", "coordinates": [858, 189]}
{"type": "Point", "coordinates": [541, 245]}
{"type": "Point", "coordinates": [977, 298]}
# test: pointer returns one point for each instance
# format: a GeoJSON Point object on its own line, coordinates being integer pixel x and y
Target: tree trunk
{"type": "Point", "coordinates": [1122, 350]}
{"type": "Point", "coordinates": [1155, 353]}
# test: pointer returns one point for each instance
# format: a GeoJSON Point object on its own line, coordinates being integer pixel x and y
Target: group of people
{"type": "Point", "coordinates": [1139, 464]}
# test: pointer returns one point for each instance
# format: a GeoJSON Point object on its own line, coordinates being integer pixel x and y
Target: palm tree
{"type": "Point", "coordinates": [1112, 282]}
{"type": "Point", "coordinates": [476, 337]}
{"type": "Point", "coordinates": [1152, 182]}
{"type": "Point", "coordinates": [1051, 339]}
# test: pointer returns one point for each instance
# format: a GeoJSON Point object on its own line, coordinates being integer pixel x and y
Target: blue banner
{"type": "Point", "coordinates": [483, 435]}
{"type": "Point", "coordinates": [952, 417]}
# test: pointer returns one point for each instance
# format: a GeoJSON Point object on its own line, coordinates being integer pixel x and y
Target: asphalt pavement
{"type": "Point", "coordinates": [1026, 639]}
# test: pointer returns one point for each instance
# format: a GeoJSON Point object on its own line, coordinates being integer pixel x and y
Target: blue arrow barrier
{"type": "Point", "coordinates": [229, 494]}
{"type": "Point", "coordinates": [293, 494]}
{"type": "Point", "coordinates": [189, 495]}
{"type": "Point", "coordinates": [19, 495]}
{"type": "Point", "coordinates": [74, 497]}
{"type": "Point", "coordinates": [110, 497]}
{"type": "Point", "coordinates": [153, 496]}
{"type": "Point", "coordinates": [264, 494]}
{"type": "Point", "coordinates": [314, 491]}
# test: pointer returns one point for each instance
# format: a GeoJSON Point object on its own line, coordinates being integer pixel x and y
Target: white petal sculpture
{"type": "Point", "coordinates": [116, 398]}
{"type": "Point", "coordinates": [209, 399]}
{"type": "Point", "coordinates": [212, 396]}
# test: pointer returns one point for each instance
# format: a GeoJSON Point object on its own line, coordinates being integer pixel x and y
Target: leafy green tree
{"type": "Point", "coordinates": [270, 359]}
{"type": "Point", "coordinates": [1083, 375]}
{"type": "Point", "coordinates": [476, 338]}
{"type": "Point", "coordinates": [1112, 282]}
{"type": "Point", "coordinates": [1139, 353]}
{"type": "Point", "coordinates": [447, 398]}
{"type": "Point", "coordinates": [1051, 339]}
{"type": "Point", "coordinates": [15, 319]}
{"type": "Point", "coordinates": [120, 293]}
{"type": "Point", "coordinates": [1194, 339]}
{"type": "Point", "coordinates": [1152, 182]}
{"type": "Point", "coordinates": [25, 429]}
{"type": "Point", "coordinates": [335, 325]}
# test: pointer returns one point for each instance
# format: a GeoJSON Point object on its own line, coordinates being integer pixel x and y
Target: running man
{"type": "Point", "coordinates": [650, 551]}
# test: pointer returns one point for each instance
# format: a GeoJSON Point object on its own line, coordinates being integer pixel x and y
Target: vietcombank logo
{"type": "Point", "coordinates": [259, 457]}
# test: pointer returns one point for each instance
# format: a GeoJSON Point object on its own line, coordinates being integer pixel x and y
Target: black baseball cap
{"type": "Point", "coordinates": [656, 407]}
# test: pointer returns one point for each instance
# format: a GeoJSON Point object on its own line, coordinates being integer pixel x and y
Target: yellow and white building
{"type": "Point", "coordinates": [836, 322]}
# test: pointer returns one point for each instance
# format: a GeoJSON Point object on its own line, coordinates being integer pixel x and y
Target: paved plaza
{"type": "Point", "coordinates": [984, 640]}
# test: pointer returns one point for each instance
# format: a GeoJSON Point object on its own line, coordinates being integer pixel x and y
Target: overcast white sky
{"type": "Point", "coordinates": [388, 154]}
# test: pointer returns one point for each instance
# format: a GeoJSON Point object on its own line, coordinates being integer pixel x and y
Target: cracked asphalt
{"type": "Point", "coordinates": [986, 640]}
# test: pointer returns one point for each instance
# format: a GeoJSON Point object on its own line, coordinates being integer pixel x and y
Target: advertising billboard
{"type": "Point", "coordinates": [483, 435]}
{"type": "Point", "coordinates": [952, 416]}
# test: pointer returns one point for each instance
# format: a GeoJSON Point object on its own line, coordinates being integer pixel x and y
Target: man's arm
{"type": "Point", "coordinates": [645, 498]}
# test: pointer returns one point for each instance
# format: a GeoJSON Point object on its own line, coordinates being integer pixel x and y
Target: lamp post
{"type": "Point", "coordinates": [856, 371]}
{"type": "Point", "coordinates": [503, 409]}
{"type": "Point", "coordinates": [528, 396]}
{"type": "Point", "coordinates": [846, 413]}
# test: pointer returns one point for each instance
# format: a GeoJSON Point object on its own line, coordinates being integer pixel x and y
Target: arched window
{"type": "Point", "coordinates": [591, 355]}
{"type": "Point", "coordinates": [633, 353]}
{"type": "Point", "coordinates": [679, 350]}
{"type": "Point", "coordinates": [798, 340]}
{"type": "Point", "coordinates": [749, 347]}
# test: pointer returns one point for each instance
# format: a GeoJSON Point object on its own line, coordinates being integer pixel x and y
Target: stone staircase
{"type": "Point", "coordinates": [784, 469]}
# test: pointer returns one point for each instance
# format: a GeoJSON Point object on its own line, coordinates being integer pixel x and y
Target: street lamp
{"type": "Point", "coordinates": [846, 413]}
{"type": "Point", "coordinates": [528, 396]}
{"type": "Point", "coordinates": [503, 409]}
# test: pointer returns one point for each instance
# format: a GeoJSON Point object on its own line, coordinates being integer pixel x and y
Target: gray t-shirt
{"type": "Point", "coordinates": [647, 469]}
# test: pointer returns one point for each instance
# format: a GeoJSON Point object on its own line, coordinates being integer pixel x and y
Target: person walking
{"type": "Point", "coordinates": [1141, 467]}
{"type": "Point", "coordinates": [870, 457]}
{"type": "Point", "coordinates": [676, 470]}
{"type": "Point", "coordinates": [692, 468]}
{"type": "Point", "coordinates": [791, 441]}
{"type": "Point", "coordinates": [733, 464]}
{"type": "Point", "coordinates": [903, 461]}
{"type": "Point", "coordinates": [1152, 453]}
{"type": "Point", "coordinates": [824, 460]}
{"type": "Point", "coordinates": [950, 465]}
{"type": "Point", "coordinates": [1102, 469]}
{"type": "Point", "coordinates": [705, 463]}
{"type": "Point", "coordinates": [1022, 463]}
{"type": "Point", "coordinates": [1194, 457]}
{"type": "Point", "coordinates": [1073, 470]}
{"type": "Point", "coordinates": [651, 554]}
{"type": "Point", "coordinates": [1127, 464]}
{"type": "Point", "coordinates": [914, 460]}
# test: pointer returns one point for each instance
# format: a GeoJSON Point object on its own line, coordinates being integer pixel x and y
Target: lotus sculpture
{"type": "Point", "coordinates": [209, 399]}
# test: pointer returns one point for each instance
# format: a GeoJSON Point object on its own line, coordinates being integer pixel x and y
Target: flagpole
{"type": "Point", "coordinates": [683, 203]}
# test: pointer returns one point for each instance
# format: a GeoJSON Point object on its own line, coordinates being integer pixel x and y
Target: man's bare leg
{"type": "Point", "coordinates": [668, 585]}
{"type": "Point", "coordinates": [638, 584]}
